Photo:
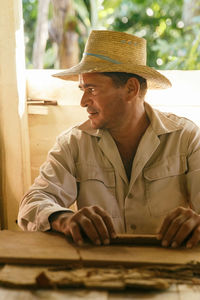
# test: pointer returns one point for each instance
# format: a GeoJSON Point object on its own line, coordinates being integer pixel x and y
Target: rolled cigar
{"type": "Point", "coordinates": [136, 239]}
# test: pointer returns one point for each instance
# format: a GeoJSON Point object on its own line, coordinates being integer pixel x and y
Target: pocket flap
{"type": "Point", "coordinates": [86, 172]}
{"type": "Point", "coordinates": [171, 166]}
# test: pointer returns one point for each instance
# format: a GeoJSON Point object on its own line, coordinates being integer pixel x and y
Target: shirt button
{"type": "Point", "coordinates": [130, 195]}
{"type": "Point", "coordinates": [133, 226]}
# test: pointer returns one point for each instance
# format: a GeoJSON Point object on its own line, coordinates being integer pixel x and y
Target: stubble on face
{"type": "Point", "coordinates": [105, 104]}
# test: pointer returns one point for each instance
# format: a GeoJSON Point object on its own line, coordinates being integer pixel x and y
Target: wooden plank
{"type": "Point", "coordinates": [51, 248]}
{"type": "Point", "coordinates": [137, 255]}
{"type": "Point", "coordinates": [35, 248]}
{"type": "Point", "coordinates": [45, 127]}
{"type": "Point", "coordinates": [77, 294]}
{"type": "Point", "coordinates": [175, 292]}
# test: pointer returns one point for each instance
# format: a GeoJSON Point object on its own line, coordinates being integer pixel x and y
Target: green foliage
{"type": "Point", "coordinates": [186, 50]}
{"type": "Point", "coordinates": [83, 12]}
{"type": "Point", "coordinates": [30, 18]}
{"type": "Point", "coordinates": [170, 45]}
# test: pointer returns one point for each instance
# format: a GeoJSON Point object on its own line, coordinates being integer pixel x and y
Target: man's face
{"type": "Point", "coordinates": [104, 101]}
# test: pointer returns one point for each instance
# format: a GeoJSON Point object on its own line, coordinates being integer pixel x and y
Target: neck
{"type": "Point", "coordinates": [127, 138]}
{"type": "Point", "coordinates": [132, 127]}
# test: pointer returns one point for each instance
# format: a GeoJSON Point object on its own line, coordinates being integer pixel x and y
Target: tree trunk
{"type": "Point", "coordinates": [41, 34]}
{"type": "Point", "coordinates": [63, 32]}
{"type": "Point", "coordinates": [191, 9]}
{"type": "Point", "coordinates": [94, 13]}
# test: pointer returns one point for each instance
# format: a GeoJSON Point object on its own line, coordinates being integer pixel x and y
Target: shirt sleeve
{"type": "Point", "coordinates": [193, 174]}
{"type": "Point", "coordinates": [53, 190]}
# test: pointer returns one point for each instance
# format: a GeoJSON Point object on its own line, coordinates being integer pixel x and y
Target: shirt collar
{"type": "Point", "coordinates": [86, 127]}
{"type": "Point", "coordinates": [161, 123]}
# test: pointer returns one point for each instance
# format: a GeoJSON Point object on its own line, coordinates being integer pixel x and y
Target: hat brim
{"type": "Point", "coordinates": [155, 80]}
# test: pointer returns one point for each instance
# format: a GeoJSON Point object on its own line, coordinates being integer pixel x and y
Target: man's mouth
{"type": "Point", "coordinates": [92, 113]}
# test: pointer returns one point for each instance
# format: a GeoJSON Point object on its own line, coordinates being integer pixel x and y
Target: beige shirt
{"type": "Point", "coordinates": [85, 166]}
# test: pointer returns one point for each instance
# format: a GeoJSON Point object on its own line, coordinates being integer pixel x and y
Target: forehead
{"type": "Point", "coordinates": [94, 79]}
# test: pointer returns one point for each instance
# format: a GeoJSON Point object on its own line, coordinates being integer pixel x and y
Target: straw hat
{"type": "Point", "coordinates": [112, 51]}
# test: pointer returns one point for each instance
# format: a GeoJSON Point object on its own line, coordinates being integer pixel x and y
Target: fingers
{"type": "Point", "coordinates": [193, 241]}
{"type": "Point", "coordinates": [58, 221]}
{"type": "Point", "coordinates": [186, 229]}
{"type": "Point", "coordinates": [74, 231]}
{"type": "Point", "coordinates": [94, 222]}
{"type": "Point", "coordinates": [107, 221]}
{"type": "Point", "coordinates": [171, 228]}
{"type": "Point", "coordinates": [166, 223]}
{"type": "Point", "coordinates": [178, 226]}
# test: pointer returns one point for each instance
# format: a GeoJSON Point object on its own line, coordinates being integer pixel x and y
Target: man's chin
{"type": "Point", "coordinates": [95, 125]}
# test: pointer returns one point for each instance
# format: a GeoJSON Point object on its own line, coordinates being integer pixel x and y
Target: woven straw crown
{"type": "Point", "coordinates": [112, 51]}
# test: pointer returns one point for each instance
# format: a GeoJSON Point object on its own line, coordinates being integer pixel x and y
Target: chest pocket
{"type": "Point", "coordinates": [87, 172]}
{"type": "Point", "coordinates": [96, 186]}
{"type": "Point", "coordinates": [172, 166]}
{"type": "Point", "coordinates": [165, 186]}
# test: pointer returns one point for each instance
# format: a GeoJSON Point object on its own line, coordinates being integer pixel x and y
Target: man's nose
{"type": "Point", "coordinates": [85, 100]}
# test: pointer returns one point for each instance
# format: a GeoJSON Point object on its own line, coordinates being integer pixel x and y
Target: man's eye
{"type": "Point", "coordinates": [92, 90]}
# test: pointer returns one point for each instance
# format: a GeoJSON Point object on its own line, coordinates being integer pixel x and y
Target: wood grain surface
{"type": "Point", "coordinates": [50, 248]}
{"type": "Point", "coordinates": [35, 248]}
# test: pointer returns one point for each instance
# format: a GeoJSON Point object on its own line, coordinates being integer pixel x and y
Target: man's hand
{"type": "Point", "coordinates": [93, 221]}
{"type": "Point", "coordinates": [182, 224]}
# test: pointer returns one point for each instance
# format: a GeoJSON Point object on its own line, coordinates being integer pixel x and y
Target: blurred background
{"type": "Point", "coordinates": [56, 30]}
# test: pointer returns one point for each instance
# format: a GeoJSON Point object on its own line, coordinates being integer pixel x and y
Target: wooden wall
{"type": "Point", "coordinates": [14, 143]}
{"type": "Point", "coordinates": [47, 121]}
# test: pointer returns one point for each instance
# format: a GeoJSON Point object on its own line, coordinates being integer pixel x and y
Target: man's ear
{"type": "Point", "coordinates": [133, 87]}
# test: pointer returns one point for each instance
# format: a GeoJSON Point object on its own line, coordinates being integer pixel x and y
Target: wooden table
{"type": "Point", "coordinates": [182, 292]}
{"type": "Point", "coordinates": [22, 252]}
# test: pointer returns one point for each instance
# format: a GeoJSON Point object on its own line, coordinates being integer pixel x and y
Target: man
{"type": "Point", "coordinates": [130, 168]}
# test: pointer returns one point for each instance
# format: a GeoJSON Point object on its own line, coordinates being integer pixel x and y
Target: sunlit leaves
{"type": "Point", "coordinates": [171, 44]}
{"type": "Point", "coordinates": [82, 12]}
